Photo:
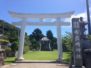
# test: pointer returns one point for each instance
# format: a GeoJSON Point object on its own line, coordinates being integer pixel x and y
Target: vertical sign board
{"type": "Point", "coordinates": [76, 43]}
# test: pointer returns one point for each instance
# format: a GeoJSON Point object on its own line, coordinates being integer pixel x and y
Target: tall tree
{"type": "Point", "coordinates": [49, 34]}
{"type": "Point", "coordinates": [35, 38]}
{"type": "Point", "coordinates": [37, 34]}
{"type": "Point", "coordinates": [67, 41]}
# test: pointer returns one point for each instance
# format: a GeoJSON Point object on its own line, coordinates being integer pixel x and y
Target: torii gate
{"type": "Point", "coordinates": [23, 23]}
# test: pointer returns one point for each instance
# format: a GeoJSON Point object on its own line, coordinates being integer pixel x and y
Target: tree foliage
{"type": "Point", "coordinates": [53, 40]}
{"type": "Point", "coordinates": [49, 34]}
{"type": "Point", "coordinates": [67, 42]}
{"type": "Point", "coordinates": [35, 38]}
{"type": "Point", "coordinates": [3, 41]}
{"type": "Point", "coordinates": [9, 30]}
{"type": "Point", "coordinates": [27, 43]}
{"type": "Point", "coordinates": [37, 34]}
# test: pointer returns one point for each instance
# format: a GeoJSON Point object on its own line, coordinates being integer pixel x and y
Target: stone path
{"type": "Point", "coordinates": [35, 65]}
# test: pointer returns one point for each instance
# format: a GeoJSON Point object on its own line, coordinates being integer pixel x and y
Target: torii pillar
{"type": "Point", "coordinates": [21, 43]}
{"type": "Point", "coordinates": [58, 23]}
{"type": "Point", "coordinates": [59, 44]}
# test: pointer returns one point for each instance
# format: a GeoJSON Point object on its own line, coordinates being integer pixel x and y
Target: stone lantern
{"type": "Point", "coordinates": [45, 44]}
{"type": "Point", "coordinates": [2, 51]}
{"type": "Point", "coordinates": [1, 55]}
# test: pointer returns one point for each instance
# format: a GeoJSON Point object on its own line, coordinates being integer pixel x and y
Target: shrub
{"type": "Point", "coordinates": [14, 47]}
{"type": "Point", "coordinates": [8, 51]}
{"type": "Point", "coordinates": [3, 41]}
{"type": "Point", "coordinates": [26, 48]}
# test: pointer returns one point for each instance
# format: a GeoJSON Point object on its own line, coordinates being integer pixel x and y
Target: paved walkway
{"type": "Point", "coordinates": [35, 65]}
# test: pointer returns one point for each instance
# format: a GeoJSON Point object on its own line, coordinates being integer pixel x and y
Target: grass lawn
{"type": "Point", "coordinates": [66, 57]}
{"type": "Point", "coordinates": [9, 60]}
{"type": "Point", "coordinates": [40, 55]}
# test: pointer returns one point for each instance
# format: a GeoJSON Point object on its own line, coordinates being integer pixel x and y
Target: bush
{"type": "Point", "coordinates": [14, 47]}
{"type": "Point", "coordinates": [34, 45]}
{"type": "Point", "coordinates": [8, 51]}
{"type": "Point", "coordinates": [26, 49]}
{"type": "Point", "coordinates": [4, 42]}
{"type": "Point", "coordinates": [67, 42]}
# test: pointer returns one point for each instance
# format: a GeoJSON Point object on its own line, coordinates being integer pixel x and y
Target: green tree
{"type": "Point", "coordinates": [9, 30]}
{"type": "Point", "coordinates": [67, 42]}
{"type": "Point", "coordinates": [49, 34]}
{"type": "Point", "coordinates": [35, 38]}
{"type": "Point", "coordinates": [54, 43]}
{"type": "Point", "coordinates": [53, 40]}
{"type": "Point", "coordinates": [34, 45]}
{"type": "Point", "coordinates": [27, 43]}
{"type": "Point", "coordinates": [11, 33]}
{"type": "Point", "coordinates": [37, 34]}
{"type": "Point", "coordinates": [89, 37]}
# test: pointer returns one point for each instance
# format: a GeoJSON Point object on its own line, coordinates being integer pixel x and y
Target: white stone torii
{"type": "Point", "coordinates": [23, 23]}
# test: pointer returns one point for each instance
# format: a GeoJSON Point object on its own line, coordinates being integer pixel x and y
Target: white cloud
{"type": "Point", "coordinates": [83, 14]}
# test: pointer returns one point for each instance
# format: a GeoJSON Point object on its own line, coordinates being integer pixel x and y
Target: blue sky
{"type": "Point", "coordinates": [42, 6]}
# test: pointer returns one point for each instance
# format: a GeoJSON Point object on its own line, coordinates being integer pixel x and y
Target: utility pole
{"type": "Point", "coordinates": [88, 17]}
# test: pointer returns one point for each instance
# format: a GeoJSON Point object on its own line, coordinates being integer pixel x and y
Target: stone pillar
{"type": "Point", "coordinates": [21, 43]}
{"type": "Point", "coordinates": [59, 44]}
